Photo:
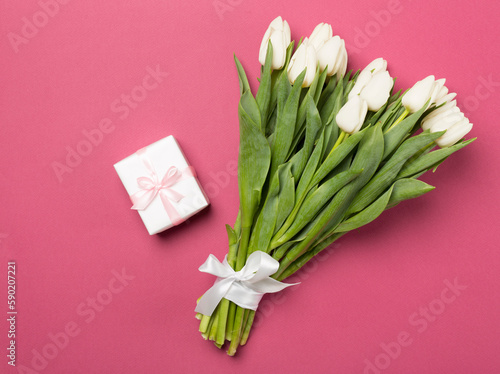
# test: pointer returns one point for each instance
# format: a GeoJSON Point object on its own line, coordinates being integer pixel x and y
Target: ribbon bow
{"type": "Point", "coordinates": [152, 186]}
{"type": "Point", "coordinates": [245, 287]}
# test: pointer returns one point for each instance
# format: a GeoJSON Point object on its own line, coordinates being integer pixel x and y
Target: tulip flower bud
{"type": "Point", "coordinates": [438, 91]}
{"type": "Point", "coordinates": [278, 33]}
{"type": "Point", "coordinates": [377, 65]}
{"type": "Point", "coordinates": [446, 98]}
{"type": "Point", "coordinates": [334, 56]}
{"type": "Point", "coordinates": [374, 67]}
{"type": "Point", "coordinates": [453, 133]}
{"type": "Point", "coordinates": [416, 97]}
{"type": "Point", "coordinates": [444, 121]}
{"type": "Point", "coordinates": [320, 35]}
{"type": "Point", "coordinates": [351, 116]}
{"type": "Point", "coordinates": [343, 62]}
{"type": "Point", "coordinates": [449, 118]}
{"type": "Point", "coordinates": [377, 91]}
{"type": "Point", "coordinates": [304, 57]}
{"type": "Point", "coordinates": [450, 107]}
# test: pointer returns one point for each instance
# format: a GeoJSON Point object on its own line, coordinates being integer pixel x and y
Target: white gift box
{"type": "Point", "coordinates": [167, 199]}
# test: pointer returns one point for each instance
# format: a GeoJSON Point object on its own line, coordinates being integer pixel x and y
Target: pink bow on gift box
{"type": "Point", "coordinates": [152, 186]}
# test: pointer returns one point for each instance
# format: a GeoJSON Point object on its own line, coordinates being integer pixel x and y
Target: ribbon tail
{"type": "Point", "coordinates": [269, 285]}
{"type": "Point", "coordinates": [170, 209]}
{"type": "Point", "coordinates": [209, 301]}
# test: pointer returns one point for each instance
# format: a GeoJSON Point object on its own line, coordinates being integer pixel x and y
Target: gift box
{"type": "Point", "coordinates": [162, 185]}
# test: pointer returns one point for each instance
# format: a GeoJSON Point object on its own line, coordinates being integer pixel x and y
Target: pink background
{"type": "Point", "coordinates": [68, 235]}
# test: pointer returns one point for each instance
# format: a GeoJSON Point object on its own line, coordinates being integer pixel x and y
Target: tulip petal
{"type": "Point", "coordinates": [415, 98]}
{"type": "Point", "coordinates": [351, 116]}
{"type": "Point", "coordinates": [377, 91]}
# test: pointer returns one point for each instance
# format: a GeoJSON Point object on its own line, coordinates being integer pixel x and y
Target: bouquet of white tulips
{"type": "Point", "coordinates": [321, 153]}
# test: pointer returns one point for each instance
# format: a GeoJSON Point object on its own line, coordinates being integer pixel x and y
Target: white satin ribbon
{"type": "Point", "coordinates": [245, 287]}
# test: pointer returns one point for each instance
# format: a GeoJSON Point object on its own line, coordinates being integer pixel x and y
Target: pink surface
{"type": "Point", "coordinates": [388, 287]}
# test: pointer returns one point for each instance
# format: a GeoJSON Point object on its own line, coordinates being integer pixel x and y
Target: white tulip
{"type": "Point", "coordinates": [374, 67]}
{"type": "Point", "coordinates": [446, 98]}
{"type": "Point", "coordinates": [377, 91]}
{"type": "Point", "coordinates": [443, 121]}
{"type": "Point", "coordinates": [351, 116]}
{"type": "Point", "coordinates": [333, 55]}
{"type": "Point", "coordinates": [450, 107]}
{"type": "Point", "coordinates": [449, 118]}
{"type": "Point", "coordinates": [278, 33]}
{"type": "Point", "coordinates": [438, 91]}
{"type": "Point", "coordinates": [320, 35]}
{"type": "Point", "coordinates": [454, 133]}
{"type": "Point", "coordinates": [304, 57]}
{"type": "Point", "coordinates": [416, 97]}
{"type": "Point", "coordinates": [343, 61]}
{"type": "Point", "coordinates": [377, 65]}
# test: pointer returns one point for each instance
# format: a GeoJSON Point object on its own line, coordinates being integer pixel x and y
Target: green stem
{"type": "Point", "coordinates": [230, 320]}
{"type": "Point", "coordinates": [248, 326]}
{"type": "Point", "coordinates": [343, 135]}
{"type": "Point", "coordinates": [225, 318]}
{"type": "Point", "coordinates": [236, 333]}
{"type": "Point", "coordinates": [215, 323]}
{"type": "Point", "coordinates": [206, 334]}
{"type": "Point", "coordinates": [204, 324]}
{"type": "Point", "coordinates": [241, 259]}
{"type": "Point", "coordinates": [401, 118]}
{"type": "Point", "coordinates": [222, 320]}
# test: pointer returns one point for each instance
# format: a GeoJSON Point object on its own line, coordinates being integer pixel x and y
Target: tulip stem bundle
{"type": "Point", "coordinates": [309, 171]}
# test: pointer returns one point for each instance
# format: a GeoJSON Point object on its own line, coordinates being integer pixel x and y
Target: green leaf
{"type": "Point", "coordinates": [387, 174]}
{"type": "Point", "coordinates": [366, 215]}
{"type": "Point", "coordinates": [281, 251]}
{"type": "Point", "coordinates": [319, 88]}
{"type": "Point", "coordinates": [367, 158]}
{"type": "Point", "coordinates": [251, 108]}
{"type": "Point", "coordinates": [244, 86]}
{"type": "Point", "coordinates": [263, 96]}
{"type": "Point", "coordinates": [287, 195]}
{"type": "Point", "coordinates": [337, 155]}
{"type": "Point", "coordinates": [232, 238]}
{"type": "Point", "coordinates": [283, 91]}
{"type": "Point", "coordinates": [395, 135]}
{"type": "Point", "coordinates": [327, 93]}
{"type": "Point", "coordinates": [264, 226]}
{"type": "Point", "coordinates": [313, 126]}
{"type": "Point", "coordinates": [316, 200]}
{"type": "Point", "coordinates": [332, 104]}
{"type": "Point", "coordinates": [408, 188]}
{"type": "Point", "coordinates": [253, 165]}
{"type": "Point", "coordinates": [302, 190]}
{"type": "Point", "coordinates": [428, 160]}
{"type": "Point", "coordinates": [349, 83]}
{"type": "Point", "coordinates": [285, 125]}
{"type": "Point", "coordinates": [310, 169]}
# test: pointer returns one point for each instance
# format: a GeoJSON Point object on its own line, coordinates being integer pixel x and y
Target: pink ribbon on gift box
{"type": "Point", "coordinates": [152, 186]}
